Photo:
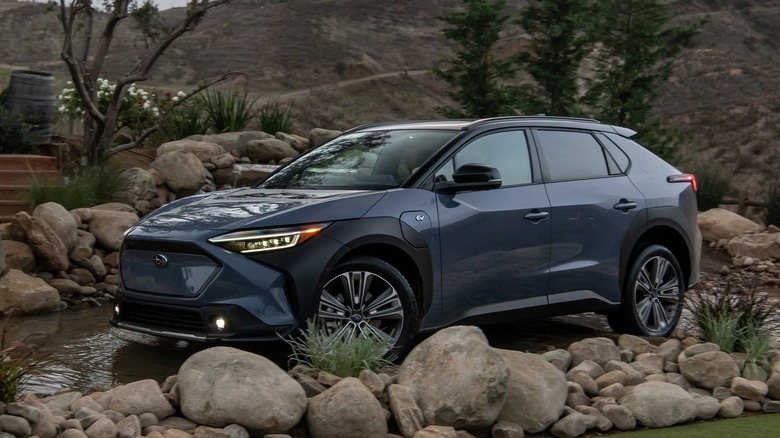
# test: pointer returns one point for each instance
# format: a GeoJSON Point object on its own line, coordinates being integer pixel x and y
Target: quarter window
{"type": "Point", "coordinates": [572, 155]}
{"type": "Point", "coordinates": [506, 151]}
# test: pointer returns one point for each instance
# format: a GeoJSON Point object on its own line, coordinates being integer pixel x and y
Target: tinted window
{"type": "Point", "coordinates": [620, 157]}
{"type": "Point", "coordinates": [506, 151]}
{"type": "Point", "coordinates": [572, 155]}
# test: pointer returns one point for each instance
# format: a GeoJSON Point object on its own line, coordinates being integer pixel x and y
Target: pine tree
{"type": "Point", "coordinates": [474, 72]}
{"type": "Point", "coordinates": [560, 40]}
{"type": "Point", "coordinates": [636, 51]}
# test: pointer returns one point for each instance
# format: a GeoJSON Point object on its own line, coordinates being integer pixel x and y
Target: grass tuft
{"type": "Point", "coordinates": [274, 117]}
{"type": "Point", "coordinates": [91, 186]}
{"type": "Point", "coordinates": [227, 111]}
{"type": "Point", "coordinates": [320, 350]}
{"type": "Point", "coordinates": [17, 365]}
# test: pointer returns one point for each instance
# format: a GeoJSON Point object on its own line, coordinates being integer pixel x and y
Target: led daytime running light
{"type": "Point", "coordinates": [247, 242]}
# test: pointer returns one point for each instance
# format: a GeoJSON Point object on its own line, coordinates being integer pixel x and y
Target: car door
{"type": "Point", "coordinates": [495, 244]}
{"type": "Point", "coordinates": [593, 207]}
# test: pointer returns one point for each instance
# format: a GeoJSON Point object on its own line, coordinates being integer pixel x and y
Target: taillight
{"type": "Point", "coordinates": [686, 177]}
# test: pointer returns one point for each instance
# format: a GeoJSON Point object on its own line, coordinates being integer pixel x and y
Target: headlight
{"type": "Point", "coordinates": [251, 241]}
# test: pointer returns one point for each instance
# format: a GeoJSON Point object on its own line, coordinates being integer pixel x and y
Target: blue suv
{"type": "Point", "coordinates": [393, 229]}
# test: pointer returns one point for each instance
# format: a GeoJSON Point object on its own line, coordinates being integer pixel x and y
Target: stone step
{"type": "Point", "coordinates": [25, 177]}
{"type": "Point", "coordinates": [9, 208]}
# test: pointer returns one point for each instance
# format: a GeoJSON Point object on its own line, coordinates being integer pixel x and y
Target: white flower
{"type": "Point", "coordinates": [181, 94]}
{"type": "Point", "coordinates": [175, 98]}
{"type": "Point", "coordinates": [62, 109]}
{"type": "Point", "coordinates": [147, 105]}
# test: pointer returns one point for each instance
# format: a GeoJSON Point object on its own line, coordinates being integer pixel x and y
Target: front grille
{"type": "Point", "coordinates": [169, 318]}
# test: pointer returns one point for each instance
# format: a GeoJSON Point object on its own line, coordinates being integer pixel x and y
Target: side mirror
{"type": "Point", "coordinates": [471, 176]}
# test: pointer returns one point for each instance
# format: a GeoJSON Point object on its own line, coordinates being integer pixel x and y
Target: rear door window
{"type": "Point", "coordinates": [568, 155]}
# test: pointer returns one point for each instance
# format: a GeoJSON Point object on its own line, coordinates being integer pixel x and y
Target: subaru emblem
{"type": "Point", "coordinates": [160, 260]}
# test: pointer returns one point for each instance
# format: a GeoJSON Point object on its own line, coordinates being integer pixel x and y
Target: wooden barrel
{"type": "Point", "coordinates": [31, 95]}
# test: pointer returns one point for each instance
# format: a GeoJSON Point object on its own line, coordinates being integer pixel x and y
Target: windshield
{"type": "Point", "coordinates": [363, 160]}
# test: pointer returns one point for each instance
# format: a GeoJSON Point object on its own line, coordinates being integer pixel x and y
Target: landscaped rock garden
{"type": "Point", "coordinates": [452, 384]}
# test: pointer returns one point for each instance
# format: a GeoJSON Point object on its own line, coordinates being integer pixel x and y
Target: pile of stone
{"type": "Point", "coordinates": [453, 384]}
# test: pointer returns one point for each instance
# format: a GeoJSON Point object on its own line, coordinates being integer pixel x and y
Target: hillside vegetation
{"type": "Point", "coordinates": [345, 62]}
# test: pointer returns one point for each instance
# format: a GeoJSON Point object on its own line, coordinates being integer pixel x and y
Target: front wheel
{"type": "Point", "coordinates": [365, 297]}
{"type": "Point", "coordinates": [652, 299]}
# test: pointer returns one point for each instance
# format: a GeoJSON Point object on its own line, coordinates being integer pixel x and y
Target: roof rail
{"type": "Point", "coordinates": [539, 116]}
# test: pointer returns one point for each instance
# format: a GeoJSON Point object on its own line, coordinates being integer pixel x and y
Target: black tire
{"type": "Point", "coordinates": [653, 295]}
{"type": "Point", "coordinates": [388, 307]}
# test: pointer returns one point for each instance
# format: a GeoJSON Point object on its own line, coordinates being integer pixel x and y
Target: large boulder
{"type": "Point", "coordinates": [60, 221]}
{"type": "Point", "coordinates": [600, 350]}
{"type": "Point", "coordinates": [223, 385]}
{"type": "Point", "coordinates": [298, 143]}
{"type": "Point", "coordinates": [232, 140]}
{"type": "Point", "coordinates": [346, 410]}
{"type": "Point", "coordinates": [22, 294]}
{"type": "Point", "coordinates": [183, 172]}
{"type": "Point", "coordinates": [318, 136]}
{"type": "Point", "coordinates": [269, 150]}
{"type": "Point", "coordinates": [710, 369]}
{"type": "Point", "coordinates": [460, 381]}
{"type": "Point", "coordinates": [109, 227]}
{"type": "Point", "coordinates": [718, 223]}
{"type": "Point", "coordinates": [49, 250]}
{"type": "Point", "coordinates": [241, 175]}
{"type": "Point", "coordinates": [762, 246]}
{"type": "Point", "coordinates": [537, 391]}
{"type": "Point", "coordinates": [660, 404]}
{"type": "Point", "coordinates": [135, 184]}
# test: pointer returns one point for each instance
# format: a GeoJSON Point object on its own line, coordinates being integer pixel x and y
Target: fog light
{"type": "Point", "coordinates": [218, 323]}
{"type": "Point", "coordinates": [116, 309]}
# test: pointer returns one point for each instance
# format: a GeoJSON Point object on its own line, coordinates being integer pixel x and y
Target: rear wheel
{"type": "Point", "coordinates": [653, 295]}
{"type": "Point", "coordinates": [365, 297]}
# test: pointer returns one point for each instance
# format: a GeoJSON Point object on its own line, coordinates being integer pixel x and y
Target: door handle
{"type": "Point", "coordinates": [536, 216]}
{"type": "Point", "coordinates": [624, 205]}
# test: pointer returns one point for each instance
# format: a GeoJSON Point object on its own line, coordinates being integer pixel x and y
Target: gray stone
{"type": "Point", "coordinates": [537, 391]}
{"type": "Point", "coordinates": [407, 414]}
{"type": "Point", "coordinates": [318, 136]}
{"type": "Point", "coordinates": [560, 358]}
{"type": "Point", "coordinates": [140, 397]}
{"type": "Point", "coordinates": [102, 428]}
{"type": "Point", "coordinates": [710, 369]}
{"type": "Point", "coordinates": [348, 409]}
{"type": "Point", "coordinates": [50, 253]}
{"type": "Point", "coordinates": [17, 426]}
{"type": "Point", "coordinates": [634, 377]}
{"type": "Point", "coordinates": [269, 150]}
{"type": "Point", "coordinates": [576, 395]}
{"type": "Point", "coordinates": [732, 407]}
{"type": "Point", "coordinates": [570, 426]}
{"type": "Point", "coordinates": [460, 381]}
{"type": "Point", "coordinates": [109, 227]}
{"type": "Point", "coordinates": [771, 407]}
{"type": "Point", "coordinates": [24, 410]}
{"type": "Point", "coordinates": [660, 404]}
{"type": "Point", "coordinates": [600, 350]}
{"type": "Point", "coordinates": [603, 423]}
{"type": "Point", "coordinates": [148, 419]}
{"type": "Point", "coordinates": [718, 223]}
{"type": "Point", "coordinates": [586, 382]}
{"type": "Point", "coordinates": [72, 433]}
{"type": "Point", "coordinates": [756, 246]}
{"type": "Point", "coordinates": [506, 429]}
{"type": "Point", "coordinates": [649, 363]}
{"type": "Point", "coordinates": [620, 416]}
{"type": "Point", "coordinates": [183, 172]}
{"type": "Point", "coordinates": [590, 367]}
{"type": "Point", "coordinates": [636, 344]}
{"type": "Point", "coordinates": [60, 221]}
{"type": "Point", "coordinates": [695, 349]}
{"type": "Point", "coordinates": [205, 151]}
{"type": "Point", "coordinates": [670, 350]}
{"type": "Point", "coordinates": [749, 389]}
{"type": "Point", "coordinates": [129, 427]}
{"type": "Point", "coordinates": [223, 385]}
{"type": "Point", "coordinates": [773, 386]}
{"type": "Point", "coordinates": [615, 390]}
{"type": "Point", "coordinates": [23, 294]}
{"type": "Point", "coordinates": [18, 255]}
{"type": "Point", "coordinates": [706, 407]}
{"type": "Point", "coordinates": [371, 381]}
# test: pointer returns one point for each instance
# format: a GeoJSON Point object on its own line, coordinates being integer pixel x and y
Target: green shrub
{"type": "Point", "coordinates": [755, 343]}
{"type": "Point", "coordinates": [732, 318]}
{"type": "Point", "coordinates": [713, 186]}
{"type": "Point", "coordinates": [14, 133]}
{"type": "Point", "coordinates": [345, 356]}
{"type": "Point", "coordinates": [274, 117]}
{"type": "Point", "coordinates": [185, 120]}
{"type": "Point", "coordinates": [91, 186]}
{"type": "Point", "coordinates": [227, 112]}
{"type": "Point", "coordinates": [773, 207]}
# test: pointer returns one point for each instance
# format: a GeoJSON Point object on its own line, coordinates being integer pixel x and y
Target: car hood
{"type": "Point", "coordinates": [252, 208]}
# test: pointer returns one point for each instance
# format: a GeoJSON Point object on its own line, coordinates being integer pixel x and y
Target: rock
{"type": "Point", "coordinates": [24, 410]}
{"type": "Point", "coordinates": [205, 151]}
{"type": "Point", "coordinates": [570, 426]}
{"type": "Point", "coordinates": [615, 390]}
{"type": "Point", "coordinates": [460, 381]}
{"type": "Point", "coordinates": [634, 377]}
{"type": "Point", "coordinates": [710, 369]}
{"type": "Point", "coordinates": [660, 404]}
{"type": "Point", "coordinates": [18, 255]}
{"type": "Point", "coordinates": [223, 161]}
{"type": "Point", "coordinates": [22, 294]}
{"type": "Point", "coordinates": [706, 407]}
{"type": "Point", "coordinates": [102, 428]}
{"type": "Point", "coordinates": [82, 276]}
{"type": "Point", "coordinates": [183, 172]}
{"type": "Point", "coordinates": [109, 227]}
{"type": "Point", "coordinates": [87, 417]}
{"type": "Point", "coordinates": [649, 363]}
{"type": "Point", "coordinates": [348, 409]}
{"type": "Point", "coordinates": [560, 358]}
{"type": "Point", "coordinates": [232, 140]}
{"type": "Point", "coordinates": [269, 150]}
{"type": "Point", "coordinates": [84, 248]}
{"type": "Point", "coordinates": [49, 250]}
{"type": "Point", "coordinates": [695, 349]}
{"type": "Point", "coordinates": [506, 429]}
{"type": "Point", "coordinates": [590, 368]}
{"type": "Point", "coordinates": [610, 378]}
{"type": "Point", "coordinates": [636, 344]}
{"type": "Point", "coordinates": [719, 223]}
{"type": "Point", "coordinates": [732, 407]}
{"type": "Point", "coordinates": [318, 136]}
{"type": "Point", "coordinates": [298, 143]}
{"type": "Point", "coordinates": [17, 426]}
{"type": "Point", "coordinates": [139, 397]}
{"type": "Point", "coordinates": [537, 391]}
{"type": "Point", "coordinates": [603, 423]}
{"type": "Point", "coordinates": [756, 246]}
{"type": "Point", "coordinates": [135, 184]}
{"type": "Point", "coordinates": [773, 386]}
{"type": "Point", "coordinates": [59, 220]}
{"type": "Point", "coordinates": [600, 350]}
{"type": "Point", "coordinates": [576, 395]}
{"type": "Point", "coordinates": [620, 416]}
{"type": "Point", "coordinates": [129, 427]}
{"type": "Point", "coordinates": [670, 350]}
{"type": "Point", "coordinates": [749, 389]}
{"type": "Point", "coordinates": [407, 414]}
{"type": "Point", "coordinates": [771, 407]}
{"type": "Point", "coordinates": [223, 385]}
{"type": "Point", "coordinates": [586, 382]}
{"type": "Point", "coordinates": [72, 433]}
{"type": "Point", "coordinates": [371, 380]}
